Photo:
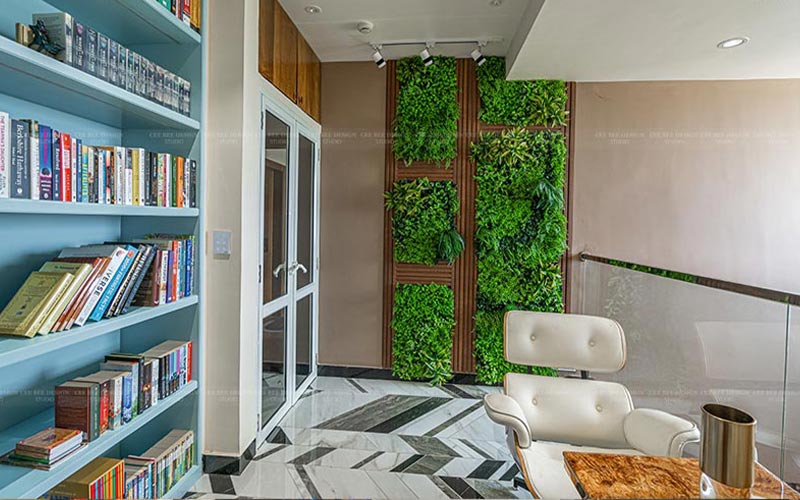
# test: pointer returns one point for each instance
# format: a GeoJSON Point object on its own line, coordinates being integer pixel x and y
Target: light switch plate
{"type": "Point", "coordinates": [221, 244]}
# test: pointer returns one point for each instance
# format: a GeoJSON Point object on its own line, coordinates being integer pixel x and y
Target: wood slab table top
{"type": "Point", "coordinates": [602, 475]}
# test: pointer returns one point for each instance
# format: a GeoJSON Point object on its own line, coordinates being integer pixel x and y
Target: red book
{"type": "Point", "coordinates": [189, 361]}
{"type": "Point", "coordinates": [66, 167]}
{"type": "Point", "coordinates": [175, 264]}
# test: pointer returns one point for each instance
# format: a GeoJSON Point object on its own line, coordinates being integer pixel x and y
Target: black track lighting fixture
{"type": "Point", "coordinates": [477, 54]}
{"type": "Point", "coordinates": [377, 57]}
{"type": "Point", "coordinates": [425, 55]}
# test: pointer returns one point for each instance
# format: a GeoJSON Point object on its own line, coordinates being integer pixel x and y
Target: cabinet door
{"type": "Point", "coordinates": [266, 38]}
{"type": "Point", "coordinates": [284, 71]}
{"type": "Point", "coordinates": [308, 79]}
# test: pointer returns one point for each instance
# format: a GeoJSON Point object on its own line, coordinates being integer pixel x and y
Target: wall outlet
{"type": "Point", "coordinates": [221, 244]}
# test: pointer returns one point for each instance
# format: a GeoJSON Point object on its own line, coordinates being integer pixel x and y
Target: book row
{"type": "Point", "coordinates": [93, 282]}
{"type": "Point", "coordinates": [187, 11]}
{"type": "Point", "coordinates": [149, 475]}
{"type": "Point", "coordinates": [126, 386]}
{"type": "Point", "coordinates": [40, 163]}
{"type": "Point", "coordinates": [92, 52]}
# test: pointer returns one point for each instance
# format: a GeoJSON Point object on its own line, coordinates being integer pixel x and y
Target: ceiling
{"type": "Point", "coordinates": [613, 40]}
{"type": "Point", "coordinates": [333, 36]}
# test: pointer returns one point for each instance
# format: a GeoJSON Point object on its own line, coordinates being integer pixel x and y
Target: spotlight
{"type": "Point", "coordinates": [426, 57]}
{"type": "Point", "coordinates": [380, 62]}
{"type": "Point", "coordinates": [477, 56]}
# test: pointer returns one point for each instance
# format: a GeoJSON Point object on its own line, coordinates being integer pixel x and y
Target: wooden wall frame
{"type": "Point", "coordinates": [463, 274]}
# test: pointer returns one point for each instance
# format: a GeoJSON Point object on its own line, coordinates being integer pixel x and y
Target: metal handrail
{"type": "Point", "coordinates": [729, 286]}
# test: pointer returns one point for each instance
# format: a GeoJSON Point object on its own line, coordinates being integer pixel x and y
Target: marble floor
{"type": "Point", "coordinates": [363, 438]}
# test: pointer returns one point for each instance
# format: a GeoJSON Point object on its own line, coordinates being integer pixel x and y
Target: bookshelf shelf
{"type": "Point", "coordinates": [15, 206]}
{"type": "Point", "coordinates": [131, 21]}
{"type": "Point", "coordinates": [20, 482]}
{"type": "Point", "coordinates": [15, 350]}
{"type": "Point", "coordinates": [31, 76]}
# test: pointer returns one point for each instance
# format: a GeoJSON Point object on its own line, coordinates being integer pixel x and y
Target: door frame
{"type": "Point", "coordinates": [298, 123]}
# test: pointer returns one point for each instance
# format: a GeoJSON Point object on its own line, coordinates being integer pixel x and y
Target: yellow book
{"type": "Point", "coordinates": [24, 315]}
{"type": "Point", "coordinates": [80, 273]}
{"type": "Point", "coordinates": [135, 175]}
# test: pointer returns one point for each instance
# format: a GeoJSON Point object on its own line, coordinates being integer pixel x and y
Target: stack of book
{"type": "Point", "coordinates": [187, 11]}
{"type": "Point", "coordinates": [96, 54]}
{"type": "Point", "coordinates": [40, 163]}
{"type": "Point", "coordinates": [126, 386]}
{"type": "Point", "coordinates": [45, 449]}
{"type": "Point", "coordinates": [100, 281]}
{"type": "Point", "coordinates": [167, 461]}
{"type": "Point", "coordinates": [99, 479]}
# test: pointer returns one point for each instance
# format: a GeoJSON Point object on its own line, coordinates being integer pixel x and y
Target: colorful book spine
{"type": "Point", "coordinates": [33, 158]}
{"type": "Point", "coordinates": [56, 164]}
{"type": "Point", "coordinates": [66, 167]}
{"type": "Point", "coordinates": [111, 289]}
{"type": "Point", "coordinates": [73, 162]}
{"type": "Point", "coordinates": [20, 173]}
{"type": "Point", "coordinates": [5, 154]}
{"type": "Point", "coordinates": [45, 162]}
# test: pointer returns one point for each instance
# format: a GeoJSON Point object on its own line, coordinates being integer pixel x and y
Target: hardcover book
{"type": "Point", "coordinates": [98, 265]}
{"type": "Point", "coordinates": [102, 56]}
{"type": "Point", "coordinates": [116, 255]}
{"type": "Point", "coordinates": [129, 369]}
{"type": "Point", "coordinates": [20, 157]}
{"type": "Point", "coordinates": [91, 51]}
{"type": "Point", "coordinates": [80, 273]}
{"type": "Point", "coordinates": [78, 407]}
{"type": "Point", "coordinates": [32, 161]}
{"type": "Point", "coordinates": [79, 45]}
{"type": "Point", "coordinates": [108, 294]}
{"type": "Point", "coordinates": [23, 316]}
{"type": "Point", "coordinates": [5, 154]}
{"type": "Point", "coordinates": [45, 162]}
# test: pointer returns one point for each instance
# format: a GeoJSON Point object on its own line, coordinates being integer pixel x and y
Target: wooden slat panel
{"type": "Point", "coordinates": [463, 275]}
{"type": "Point", "coordinates": [266, 37]}
{"type": "Point", "coordinates": [308, 79]}
{"type": "Point", "coordinates": [284, 69]}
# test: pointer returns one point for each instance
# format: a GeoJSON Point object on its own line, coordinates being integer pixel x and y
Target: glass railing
{"type": "Point", "coordinates": [690, 344]}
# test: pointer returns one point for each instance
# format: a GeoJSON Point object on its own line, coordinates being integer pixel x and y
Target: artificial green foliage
{"type": "Point", "coordinates": [492, 365]}
{"type": "Point", "coordinates": [423, 321]}
{"type": "Point", "coordinates": [423, 221]}
{"type": "Point", "coordinates": [426, 123]}
{"type": "Point", "coordinates": [656, 271]}
{"type": "Point", "coordinates": [519, 103]}
{"type": "Point", "coordinates": [520, 235]}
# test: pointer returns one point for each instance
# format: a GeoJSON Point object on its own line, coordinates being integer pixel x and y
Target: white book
{"type": "Point", "coordinates": [34, 160]}
{"type": "Point", "coordinates": [119, 175]}
{"type": "Point", "coordinates": [168, 180]}
{"type": "Point", "coordinates": [128, 176]}
{"type": "Point", "coordinates": [162, 283]}
{"type": "Point", "coordinates": [117, 255]}
{"type": "Point", "coordinates": [5, 153]}
{"type": "Point", "coordinates": [74, 172]}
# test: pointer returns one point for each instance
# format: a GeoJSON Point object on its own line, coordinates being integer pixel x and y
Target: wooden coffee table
{"type": "Point", "coordinates": [601, 475]}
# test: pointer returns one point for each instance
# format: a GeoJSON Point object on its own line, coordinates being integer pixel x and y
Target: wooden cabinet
{"type": "Point", "coordinates": [286, 59]}
{"type": "Point", "coordinates": [308, 79]}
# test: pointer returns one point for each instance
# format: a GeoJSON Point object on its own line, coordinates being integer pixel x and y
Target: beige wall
{"type": "Point", "coordinates": [701, 177]}
{"type": "Point", "coordinates": [351, 230]}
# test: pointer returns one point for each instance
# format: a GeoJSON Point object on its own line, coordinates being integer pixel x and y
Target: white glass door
{"type": "Point", "coordinates": [289, 264]}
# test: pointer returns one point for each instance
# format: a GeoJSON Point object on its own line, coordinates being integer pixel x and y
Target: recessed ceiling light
{"type": "Point", "coordinates": [313, 9]}
{"type": "Point", "coordinates": [733, 42]}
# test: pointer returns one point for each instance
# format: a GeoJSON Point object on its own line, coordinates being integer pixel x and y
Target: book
{"type": "Point", "coordinates": [195, 10]}
{"type": "Point", "coordinates": [32, 160]}
{"type": "Point", "coordinates": [20, 173]}
{"type": "Point", "coordinates": [114, 284]}
{"type": "Point", "coordinates": [65, 163]}
{"type": "Point", "coordinates": [146, 264]}
{"type": "Point", "coordinates": [90, 66]}
{"type": "Point", "coordinates": [102, 56]}
{"type": "Point", "coordinates": [100, 478]}
{"type": "Point", "coordinates": [110, 382]}
{"type": "Point", "coordinates": [74, 170]}
{"type": "Point", "coordinates": [127, 281]}
{"type": "Point", "coordinates": [45, 162]}
{"type": "Point", "coordinates": [77, 406]}
{"type": "Point", "coordinates": [24, 314]}
{"type": "Point", "coordinates": [59, 27]}
{"type": "Point", "coordinates": [113, 62]}
{"type": "Point", "coordinates": [5, 154]}
{"type": "Point", "coordinates": [56, 164]}
{"type": "Point", "coordinates": [49, 444]}
{"type": "Point", "coordinates": [135, 364]}
{"type": "Point", "coordinates": [80, 273]}
{"type": "Point", "coordinates": [98, 265]}
{"type": "Point", "coordinates": [79, 45]}
{"type": "Point", "coordinates": [116, 254]}
{"type": "Point", "coordinates": [130, 286]}
{"type": "Point", "coordinates": [128, 371]}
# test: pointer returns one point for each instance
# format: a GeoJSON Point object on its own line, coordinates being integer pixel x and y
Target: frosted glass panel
{"type": "Point", "coordinates": [689, 345]}
{"type": "Point", "coordinates": [791, 457]}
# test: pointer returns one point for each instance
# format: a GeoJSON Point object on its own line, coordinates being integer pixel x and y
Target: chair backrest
{"type": "Point", "coordinates": [564, 341]}
{"type": "Point", "coordinates": [575, 411]}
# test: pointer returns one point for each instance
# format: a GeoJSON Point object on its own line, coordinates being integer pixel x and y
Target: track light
{"type": "Point", "coordinates": [477, 56]}
{"type": "Point", "coordinates": [380, 62]}
{"type": "Point", "coordinates": [426, 57]}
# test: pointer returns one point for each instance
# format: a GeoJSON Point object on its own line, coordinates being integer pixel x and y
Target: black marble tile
{"type": "Point", "coordinates": [356, 385]}
{"type": "Point", "coordinates": [461, 487]}
{"type": "Point", "coordinates": [407, 463]}
{"type": "Point", "coordinates": [475, 447]}
{"type": "Point", "coordinates": [372, 413]}
{"type": "Point", "coordinates": [510, 474]}
{"type": "Point", "coordinates": [457, 391]}
{"type": "Point", "coordinates": [447, 490]}
{"type": "Point", "coordinates": [429, 446]}
{"type": "Point", "coordinates": [486, 469]}
{"type": "Point", "coordinates": [428, 465]}
{"type": "Point", "coordinates": [367, 460]}
{"type": "Point", "coordinates": [269, 452]}
{"type": "Point", "coordinates": [309, 484]}
{"type": "Point", "coordinates": [409, 415]}
{"type": "Point", "coordinates": [277, 436]}
{"type": "Point", "coordinates": [222, 484]}
{"type": "Point", "coordinates": [309, 456]}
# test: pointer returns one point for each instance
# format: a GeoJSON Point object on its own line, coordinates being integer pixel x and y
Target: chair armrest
{"type": "Point", "coordinates": [655, 432]}
{"type": "Point", "coordinates": [506, 411]}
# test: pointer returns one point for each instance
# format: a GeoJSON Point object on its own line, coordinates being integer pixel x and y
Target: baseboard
{"type": "Point", "coordinates": [383, 374]}
{"type": "Point", "coordinates": [232, 466]}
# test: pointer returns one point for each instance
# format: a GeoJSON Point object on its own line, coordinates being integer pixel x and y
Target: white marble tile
{"type": "Point", "coordinates": [266, 480]}
{"type": "Point", "coordinates": [330, 438]}
{"type": "Point", "coordinates": [322, 406]}
{"type": "Point", "coordinates": [343, 483]}
{"type": "Point", "coordinates": [386, 461]}
{"type": "Point", "coordinates": [459, 467]}
{"type": "Point", "coordinates": [397, 486]}
{"type": "Point", "coordinates": [422, 425]}
{"type": "Point", "coordinates": [389, 443]}
{"type": "Point", "coordinates": [286, 455]}
{"type": "Point", "coordinates": [422, 486]}
{"type": "Point", "coordinates": [342, 458]}
{"type": "Point", "coordinates": [384, 387]}
{"type": "Point", "coordinates": [203, 485]}
{"type": "Point", "coordinates": [335, 384]}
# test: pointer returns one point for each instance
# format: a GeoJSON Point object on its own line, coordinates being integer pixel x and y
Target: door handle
{"type": "Point", "coordinates": [277, 270]}
{"type": "Point", "coordinates": [295, 266]}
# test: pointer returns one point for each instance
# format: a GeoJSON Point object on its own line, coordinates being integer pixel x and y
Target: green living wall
{"type": "Point", "coordinates": [423, 221]}
{"type": "Point", "coordinates": [426, 123]}
{"type": "Point", "coordinates": [423, 320]}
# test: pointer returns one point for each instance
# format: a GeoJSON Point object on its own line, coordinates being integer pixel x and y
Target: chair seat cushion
{"type": "Point", "coordinates": [544, 471]}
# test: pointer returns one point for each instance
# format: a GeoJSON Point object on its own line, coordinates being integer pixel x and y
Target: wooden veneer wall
{"type": "Point", "coordinates": [463, 274]}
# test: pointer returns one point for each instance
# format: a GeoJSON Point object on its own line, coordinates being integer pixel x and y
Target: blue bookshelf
{"type": "Point", "coordinates": [38, 87]}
